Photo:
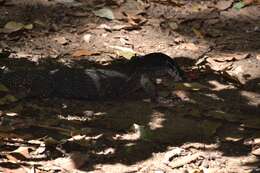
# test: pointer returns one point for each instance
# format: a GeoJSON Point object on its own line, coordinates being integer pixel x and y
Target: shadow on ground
{"type": "Point", "coordinates": [214, 112]}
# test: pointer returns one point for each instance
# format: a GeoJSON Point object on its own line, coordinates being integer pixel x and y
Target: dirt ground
{"type": "Point", "coordinates": [215, 125]}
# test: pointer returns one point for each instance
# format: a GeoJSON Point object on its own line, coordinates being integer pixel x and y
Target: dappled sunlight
{"type": "Point", "coordinates": [72, 98]}
{"type": "Point", "coordinates": [217, 86]}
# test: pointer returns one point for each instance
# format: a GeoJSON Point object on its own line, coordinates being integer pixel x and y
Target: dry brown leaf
{"type": "Point", "coordinates": [184, 160]}
{"type": "Point", "coordinates": [218, 66]}
{"type": "Point", "coordinates": [11, 158]}
{"type": "Point", "coordinates": [83, 52]}
{"type": "Point", "coordinates": [22, 153]}
{"type": "Point", "coordinates": [171, 154]}
{"type": "Point", "coordinates": [230, 57]}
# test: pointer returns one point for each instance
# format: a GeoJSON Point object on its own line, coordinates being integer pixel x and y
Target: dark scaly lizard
{"type": "Point", "coordinates": [93, 83]}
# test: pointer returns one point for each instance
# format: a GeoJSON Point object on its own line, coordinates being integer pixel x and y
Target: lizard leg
{"type": "Point", "coordinates": [149, 87]}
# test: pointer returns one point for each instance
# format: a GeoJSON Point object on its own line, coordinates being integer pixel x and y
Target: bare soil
{"type": "Point", "coordinates": [214, 127]}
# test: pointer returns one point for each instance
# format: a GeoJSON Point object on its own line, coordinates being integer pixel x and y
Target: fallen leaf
{"type": "Point", "coordinates": [176, 151]}
{"type": "Point", "coordinates": [24, 151]}
{"type": "Point", "coordinates": [83, 52]}
{"type": "Point", "coordinates": [218, 66]}
{"type": "Point", "coordinates": [125, 52]}
{"type": "Point", "coordinates": [40, 23]}
{"type": "Point", "coordinates": [13, 26]}
{"type": "Point", "coordinates": [230, 57]}
{"type": "Point", "coordinates": [105, 13]}
{"type": "Point", "coordinates": [28, 26]}
{"type": "Point", "coordinates": [239, 5]}
{"type": "Point", "coordinates": [178, 162]}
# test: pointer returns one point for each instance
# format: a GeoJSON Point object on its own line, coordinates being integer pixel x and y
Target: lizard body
{"type": "Point", "coordinates": [98, 83]}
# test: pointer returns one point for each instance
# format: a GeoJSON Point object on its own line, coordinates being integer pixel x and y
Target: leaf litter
{"type": "Point", "coordinates": [66, 138]}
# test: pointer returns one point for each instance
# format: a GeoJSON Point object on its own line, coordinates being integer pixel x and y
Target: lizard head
{"type": "Point", "coordinates": [159, 64]}
{"type": "Point", "coordinates": [175, 71]}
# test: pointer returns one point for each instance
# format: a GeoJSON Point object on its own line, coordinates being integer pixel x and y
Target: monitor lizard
{"type": "Point", "coordinates": [92, 83]}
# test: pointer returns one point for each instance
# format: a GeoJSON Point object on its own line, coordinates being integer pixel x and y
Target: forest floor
{"type": "Point", "coordinates": [215, 127]}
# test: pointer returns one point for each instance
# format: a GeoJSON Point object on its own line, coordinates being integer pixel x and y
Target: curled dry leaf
{"type": "Point", "coordinates": [184, 160]}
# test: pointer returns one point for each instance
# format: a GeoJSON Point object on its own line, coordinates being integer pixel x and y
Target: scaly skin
{"type": "Point", "coordinates": [92, 83]}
